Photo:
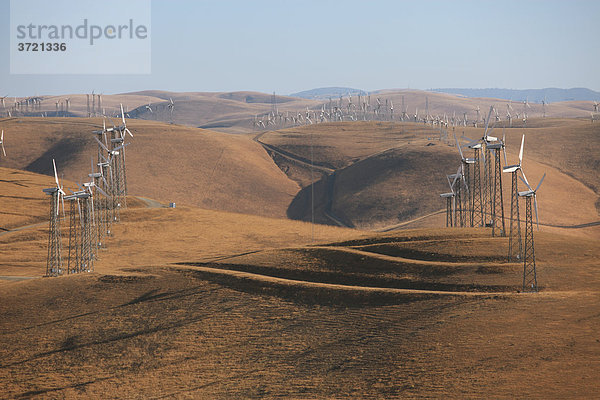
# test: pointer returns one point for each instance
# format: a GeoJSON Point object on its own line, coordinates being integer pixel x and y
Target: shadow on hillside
{"type": "Point", "coordinates": [62, 152]}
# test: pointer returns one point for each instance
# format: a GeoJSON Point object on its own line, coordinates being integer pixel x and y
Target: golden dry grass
{"type": "Point", "coordinates": [175, 309]}
{"type": "Point", "coordinates": [372, 190]}
{"type": "Point", "coordinates": [197, 303]}
{"type": "Point", "coordinates": [170, 163]}
{"type": "Point", "coordinates": [233, 112]}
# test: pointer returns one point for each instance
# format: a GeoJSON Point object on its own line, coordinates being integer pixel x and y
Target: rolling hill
{"type": "Point", "coordinates": [550, 95]}
{"type": "Point", "coordinates": [170, 163]}
{"type": "Point", "coordinates": [389, 174]}
{"type": "Point", "coordinates": [234, 112]}
{"type": "Point", "coordinates": [217, 299]}
{"type": "Point", "coordinates": [188, 302]}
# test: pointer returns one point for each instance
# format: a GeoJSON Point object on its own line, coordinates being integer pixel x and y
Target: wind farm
{"type": "Point", "coordinates": [306, 236]}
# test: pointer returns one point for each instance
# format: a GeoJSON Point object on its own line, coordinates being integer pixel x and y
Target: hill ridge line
{"type": "Point", "coordinates": [333, 286]}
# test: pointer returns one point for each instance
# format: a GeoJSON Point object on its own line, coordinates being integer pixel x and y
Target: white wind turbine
{"type": "Point", "coordinates": [2, 143]}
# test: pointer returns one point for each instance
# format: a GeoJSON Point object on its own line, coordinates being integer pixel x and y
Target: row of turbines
{"type": "Point", "coordinates": [382, 110]}
{"type": "Point", "coordinates": [476, 198]}
{"type": "Point", "coordinates": [92, 209]}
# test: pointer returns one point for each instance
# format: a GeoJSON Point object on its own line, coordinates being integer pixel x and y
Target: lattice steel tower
{"type": "Point", "coordinates": [54, 260]}
{"type": "Point", "coordinates": [515, 244]}
{"type": "Point", "coordinates": [477, 216]}
{"type": "Point", "coordinates": [529, 271]}
{"type": "Point", "coordinates": [74, 234]}
{"type": "Point", "coordinates": [486, 205]}
{"type": "Point", "coordinates": [465, 204]}
{"type": "Point", "coordinates": [497, 199]}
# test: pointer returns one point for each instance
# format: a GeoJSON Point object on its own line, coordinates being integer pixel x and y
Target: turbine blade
{"type": "Point", "coordinates": [459, 149]}
{"type": "Point", "coordinates": [521, 151]}
{"type": "Point", "coordinates": [537, 220]}
{"type": "Point", "coordinates": [55, 174]}
{"type": "Point", "coordinates": [99, 189]}
{"type": "Point", "coordinates": [62, 200]}
{"type": "Point", "coordinates": [449, 184]}
{"type": "Point", "coordinates": [524, 179]}
{"type": "Point", "coordinates": [487, 121]}
{"type": "Point", "coordinates": [540, 184]}
{"type": "Point", "coordinates": [102, 145]}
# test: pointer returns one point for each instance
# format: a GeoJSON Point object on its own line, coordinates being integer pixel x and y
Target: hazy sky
{"type": "Point", "coordinates": [289, 46]}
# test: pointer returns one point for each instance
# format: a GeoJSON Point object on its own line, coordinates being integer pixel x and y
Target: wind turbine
{"type": "Point", "coordinates": [515, 223]}
{"type": "Point", "coordinates": [544, 107]}
{"type": "Point", "coordinates": [485, 188]}
{"type": "Point", "coordinates": [450, 200]}
{"type": "Point", "coordinates": [525, 107]}
{"type": "Point", "coordinates": [404, 110]}
{"type": "Point", "coordinates": [466, 163]}
{"type": "Point", "coordinates": [529, 271]}
{"type": "Point", "coordinates": [497, 198]}
{"type": "Point", "coordinates": [171, 106]}
{"type": "Point", "coordinates": [123, 128]}
{"type": "Point", "coordinates": [54, 260]}
{"type": "Point", "coordinates": [2, 143]}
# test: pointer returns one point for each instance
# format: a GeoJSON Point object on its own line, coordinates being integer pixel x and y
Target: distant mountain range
{"type": "Point", "coordinates": [551, 95]}
{"type": "Point", "coordinates": [328, 92]}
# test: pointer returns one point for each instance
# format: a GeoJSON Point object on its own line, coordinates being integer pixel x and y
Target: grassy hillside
{"type": "Point", "coordinates": [389, 173]}
{"type": "Point", "coordinates": [170, 163]}
{"type": "Point", "coordinates": [199, 303]}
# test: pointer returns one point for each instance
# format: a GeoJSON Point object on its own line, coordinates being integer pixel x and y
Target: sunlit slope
{"type": "Point", "coordinates": [390, 174]}
{"type": "Point", "coordinates": [201, 303]}
{"type": "Point", "coordinates": [170, 163]}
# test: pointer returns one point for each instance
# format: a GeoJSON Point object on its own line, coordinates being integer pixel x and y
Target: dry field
{"type": "Point", "coordinates": [169, 163]}
{"type": "Point", "coordinates": [203, 302]}
{"type": "Point", "coordinates": [191, 303]}
{"type": "Point", "coordinates": [390, 174]}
